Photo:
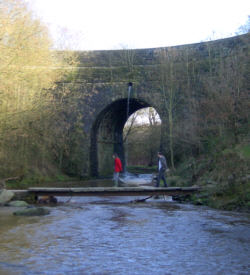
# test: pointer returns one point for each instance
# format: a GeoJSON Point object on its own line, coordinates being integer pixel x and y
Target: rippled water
{"type": "Point", "coordinates": [114, 236]}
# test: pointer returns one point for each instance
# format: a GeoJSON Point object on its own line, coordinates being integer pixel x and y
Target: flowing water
{"type": "Point", "coordinates": [131, 179]}
{"type": "Point", "coordinates": [112, 235]}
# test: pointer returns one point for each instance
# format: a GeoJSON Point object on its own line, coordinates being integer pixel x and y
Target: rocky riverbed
{"type": "Point", "coordinates": [10, 206]}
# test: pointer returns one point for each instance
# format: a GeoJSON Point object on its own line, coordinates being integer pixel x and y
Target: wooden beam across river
{"type": "Point", "coordinates": [113, 191]}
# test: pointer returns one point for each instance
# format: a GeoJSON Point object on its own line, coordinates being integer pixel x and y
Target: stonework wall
{"type": "Point", "coordinates": [103, 77]}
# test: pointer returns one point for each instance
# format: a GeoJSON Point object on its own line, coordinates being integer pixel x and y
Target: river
{"type": "Point", "coordinates": [112, 235]}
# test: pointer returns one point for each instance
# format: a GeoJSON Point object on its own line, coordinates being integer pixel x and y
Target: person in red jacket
{"type": "Point", "coordinates": [117, 168]}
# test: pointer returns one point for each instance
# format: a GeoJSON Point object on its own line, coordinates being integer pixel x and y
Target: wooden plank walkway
{"type": "Point", "coordinates": [113, 191]}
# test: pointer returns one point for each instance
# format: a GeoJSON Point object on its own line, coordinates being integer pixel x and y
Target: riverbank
{"type": "Point", "coordinates": [70, 182]}
{"type": "Point", "coordinates": [223, 175]}
{"type": "Point", "coordinates": [223, 195]}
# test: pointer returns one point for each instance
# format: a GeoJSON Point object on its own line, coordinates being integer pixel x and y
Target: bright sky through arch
{"type": "Point", "coordinates": [113, 24]}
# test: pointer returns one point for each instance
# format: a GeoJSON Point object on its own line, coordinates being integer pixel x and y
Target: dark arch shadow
{"type": "Point", "coordinates": [107, 135]}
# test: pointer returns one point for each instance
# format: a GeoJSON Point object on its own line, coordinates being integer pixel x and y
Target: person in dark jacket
{"type": "Point", "coordinates": [162, 167]}
{"type": "Point", "coordinates": [117, 168]}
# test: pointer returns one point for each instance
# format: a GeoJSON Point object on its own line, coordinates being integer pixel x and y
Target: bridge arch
{"type": "Point", "coordinates": [107, 134]}
{"type": "Point", "coordinates": [192, 71]}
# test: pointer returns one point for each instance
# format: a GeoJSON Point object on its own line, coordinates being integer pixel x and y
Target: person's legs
{"type": "Point", "coordinates": [164, 179]}
{"type": "Point", "coordinates": [116, 177]}
{"type": "Point", "coordinates": [161, 175]}
{"type": "Point", "coordinates": [158, 179]}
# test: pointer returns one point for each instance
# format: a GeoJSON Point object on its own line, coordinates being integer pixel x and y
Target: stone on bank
{"type": "Point", "coordinates": [32, 211]}
{"type": "Point", "coordinates": [18, 204]}
{"type": "Point", "coordinates": [6, 196]}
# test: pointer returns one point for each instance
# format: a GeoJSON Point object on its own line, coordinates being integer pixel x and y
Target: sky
{"type": "Point", "coordinates": [119, 24]}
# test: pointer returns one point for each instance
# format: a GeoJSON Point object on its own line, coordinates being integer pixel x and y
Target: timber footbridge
{"type": "Point", "coordinates": [108, 191]}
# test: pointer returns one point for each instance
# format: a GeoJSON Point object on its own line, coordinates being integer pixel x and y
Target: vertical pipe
{"type": "Point", "coordinates": [126, 144]}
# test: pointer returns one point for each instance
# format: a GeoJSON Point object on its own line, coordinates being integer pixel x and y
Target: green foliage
{"type": "Point", "coordinates": [140, 169]}
{"type": "Point", "coordinates": [143, 142]}
{"type": "Point", "coordinates": [176, 181]}
{"type": "Point", "coordinates": [30, 106]}
{"type": "Point", "coordinates": [224, 177]}
{"type": "Point", "coordinates": [244, 151]}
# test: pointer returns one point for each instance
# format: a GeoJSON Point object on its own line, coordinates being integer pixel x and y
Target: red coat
{"type": "Point", "coordinates": [118, 165]}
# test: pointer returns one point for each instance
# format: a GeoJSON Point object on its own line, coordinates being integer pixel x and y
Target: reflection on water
{"type": "Point", "coordinates": [114, 236]}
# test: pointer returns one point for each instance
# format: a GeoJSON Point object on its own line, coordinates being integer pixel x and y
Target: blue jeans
{"type": "Point", "coordinates": [161, 175]}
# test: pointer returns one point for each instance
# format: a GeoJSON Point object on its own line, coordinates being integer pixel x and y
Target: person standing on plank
{"type": "Point", "coordinates": [117, 168]}
{"type": "Point", "coordinates": [162, 167]}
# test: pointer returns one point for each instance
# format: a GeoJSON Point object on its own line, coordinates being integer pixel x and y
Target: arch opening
{"type": "Point", "coordinates": [142, 138]}
{"type": "Point", "coordinates": [107, 135]}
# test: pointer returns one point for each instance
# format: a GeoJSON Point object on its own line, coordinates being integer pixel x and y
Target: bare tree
{"type": "Point", "coordinates": [168, 89]}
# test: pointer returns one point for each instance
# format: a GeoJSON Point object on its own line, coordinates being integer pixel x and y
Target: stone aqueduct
{"type": "Point", "coordinates": [104, 76]}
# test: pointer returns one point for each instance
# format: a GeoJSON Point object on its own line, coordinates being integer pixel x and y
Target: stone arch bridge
{"type": "Point", "coordinates": [103, 76]}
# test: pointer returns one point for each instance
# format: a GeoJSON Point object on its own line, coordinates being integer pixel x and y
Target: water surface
{"type": "Point", "coordinates": [111, 235]}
